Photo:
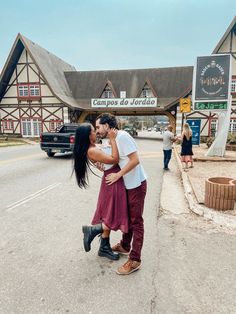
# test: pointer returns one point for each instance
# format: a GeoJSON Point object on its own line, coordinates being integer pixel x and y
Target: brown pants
{"type": "Point", "coordinates": [136, 229]}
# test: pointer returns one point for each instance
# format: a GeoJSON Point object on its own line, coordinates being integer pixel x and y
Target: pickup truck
{"type": "Point", "coordinates": [60, 141]}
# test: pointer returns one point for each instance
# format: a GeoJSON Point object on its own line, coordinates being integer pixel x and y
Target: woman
{"type": "Point", "coordinates": [111, 212]}
{"type": "Point", "coordinates": [186, 146]}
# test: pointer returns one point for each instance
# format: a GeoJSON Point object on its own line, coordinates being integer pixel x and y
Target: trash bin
{"type": "Point", "coordinates": [220, 193]}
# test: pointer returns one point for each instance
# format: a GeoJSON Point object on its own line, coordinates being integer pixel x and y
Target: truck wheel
{"type": "Point", "coordinates": [50, 154]}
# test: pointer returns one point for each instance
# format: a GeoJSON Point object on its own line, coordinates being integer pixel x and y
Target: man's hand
{"type": "Point", "coordinates": [112, 178]}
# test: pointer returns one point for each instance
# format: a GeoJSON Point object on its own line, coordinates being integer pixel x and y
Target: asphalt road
{"type": "Point", "coordinates": [44, 268]}
{"type": "Point", "coordinates": [188, 263]}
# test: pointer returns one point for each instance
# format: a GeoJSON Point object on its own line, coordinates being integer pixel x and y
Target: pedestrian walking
{"type": "Point", "coordinates": [136, 187]}
{"type": "Point", "coordinates": [168, 139]}
{"type": "Point", "coordinates": [111, 212]}
{"type": "Point", "coordinates": [186, 147]}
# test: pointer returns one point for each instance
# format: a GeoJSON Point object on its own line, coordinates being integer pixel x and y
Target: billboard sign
{"type": "Point", "coordinates": [212, 80]}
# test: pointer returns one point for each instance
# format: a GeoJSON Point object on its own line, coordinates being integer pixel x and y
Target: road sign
{"type": "Point", "coordinates": [185, 104]}
{"type": "Point", "coordinates": [195, 126]}
{"type": "Point", "coordinates": [222, 105]}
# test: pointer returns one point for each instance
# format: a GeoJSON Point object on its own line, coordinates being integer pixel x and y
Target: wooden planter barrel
{"type": "Point", "coordinates": [220, 193]}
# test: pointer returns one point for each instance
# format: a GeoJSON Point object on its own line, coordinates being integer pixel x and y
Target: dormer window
{"type": "Point", "coordinates": [146, 92]}
{"type": "Point", "coordinates": [107, 93]}
{"type": "Point", "coordinates": [28, 91]}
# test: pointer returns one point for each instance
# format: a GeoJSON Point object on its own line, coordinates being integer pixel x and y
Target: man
{"type": "Point", "coordinates": [168, 139]}
{"type": "Point", "coordinates": [136, 186]}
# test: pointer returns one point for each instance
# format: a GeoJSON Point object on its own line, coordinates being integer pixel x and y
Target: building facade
{"type": "Point", "coordinates": [39, 91]}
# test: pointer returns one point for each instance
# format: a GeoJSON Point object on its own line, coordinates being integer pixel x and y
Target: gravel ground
{"type": "Point", "coordinates": [207, 169]}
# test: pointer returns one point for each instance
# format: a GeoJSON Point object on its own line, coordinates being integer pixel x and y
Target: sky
{"type": "Point", "coordinates": [118, 34]}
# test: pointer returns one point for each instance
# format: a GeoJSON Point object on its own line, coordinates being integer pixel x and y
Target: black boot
{"type": "Point", "coordinates": [90, 233]}
{"type": "Point", "coordinates": [106, 251]}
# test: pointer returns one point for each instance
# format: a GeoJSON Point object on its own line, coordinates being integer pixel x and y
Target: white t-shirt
{"type": "Point", "coordinates": [167, 137]}
{"type": "Point", "coordinates": [106, 148]}
{"type": "Point", "coordinates": [126, 145]}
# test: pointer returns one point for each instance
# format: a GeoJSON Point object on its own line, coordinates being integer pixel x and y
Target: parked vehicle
{"type": "Point", "coordinates": [61, 141]}
{"type": "Point", "coordinates": [132, 131]}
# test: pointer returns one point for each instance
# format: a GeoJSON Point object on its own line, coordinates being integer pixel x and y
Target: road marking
{"type": "Point", "coordinates": [32, 196]}
{"type": "Point", "coordinates": [8, 161]}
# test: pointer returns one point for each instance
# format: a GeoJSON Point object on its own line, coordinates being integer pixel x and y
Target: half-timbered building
{"type": "Point", "coordinates": [39, 91]}
{"type": "Point", "coordinates": [34, 93]}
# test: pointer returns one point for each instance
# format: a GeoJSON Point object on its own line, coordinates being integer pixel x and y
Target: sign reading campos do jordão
{"type": "Point", "coordinates": [123, 102]}
{"type": "Point", "coordinates": [211, 82]}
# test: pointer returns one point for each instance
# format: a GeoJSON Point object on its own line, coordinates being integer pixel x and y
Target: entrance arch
{"type": "Point", "coordinates": [91, 116]}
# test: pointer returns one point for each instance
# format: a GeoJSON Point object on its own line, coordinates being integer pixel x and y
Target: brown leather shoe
{"type": "Point", "coordinates": [119, 249]}
{"type": "Point", "coordinates": [129, 267]}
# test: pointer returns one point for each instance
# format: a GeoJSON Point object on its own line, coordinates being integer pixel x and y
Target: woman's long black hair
{"type": "Point", "coordinates": [81, 161]}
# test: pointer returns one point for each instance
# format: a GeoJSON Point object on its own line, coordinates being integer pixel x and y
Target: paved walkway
{"type": "Point", "coordinates": [194, 181]}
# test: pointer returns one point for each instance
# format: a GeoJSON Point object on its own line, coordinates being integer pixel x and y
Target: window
{"type": "Point", "coordinates": [107, 93]}
{"type": "Point", "coordinates": [213, 126]}
{"type": "Point", "coordinates": [28, 91]}
{"type": "Point", "coordinates": [23, 91]}
{"type": "Point", "coordinates": [146, 92]}
{"type": "Point", "coordinates": [34, 90]}
{"type": "Point", "coordinates": [233, 85]}
{"type": "Point", "coordinates": [232, 128]}
{"type": "Point", "coordinates": [8, 124]}
{"type": "Point", "coordinates": [54, 124]}
{"type": "Point", "coordinates": [31, 127]}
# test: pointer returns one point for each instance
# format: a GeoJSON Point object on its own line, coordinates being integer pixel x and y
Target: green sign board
{"type": "Point", "coordinates": [222, 105]}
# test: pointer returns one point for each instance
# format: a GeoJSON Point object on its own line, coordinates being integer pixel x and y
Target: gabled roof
{"type": "Point", "coordinates": [148, 83]}
{"type": "Point", "coordinates": [76, 88]}
{"type": "Point", "coordinates": [51, 67]}
{"type": "Point", "coordinates": [109, 84]}
{"type": "Point", "coordinates": [231, 27]}
{"type": "Point", "coordinates": [168, 83]}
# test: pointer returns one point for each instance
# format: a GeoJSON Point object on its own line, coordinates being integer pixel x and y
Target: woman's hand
{"type": "Point", "coordinates": [112, 134]}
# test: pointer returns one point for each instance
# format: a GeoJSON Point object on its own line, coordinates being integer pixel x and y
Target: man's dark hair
{"type": "Point", "coordinates": [108, 118]}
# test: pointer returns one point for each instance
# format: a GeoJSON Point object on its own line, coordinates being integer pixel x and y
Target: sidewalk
{"type": "Point", "coordinates": [194, 182]}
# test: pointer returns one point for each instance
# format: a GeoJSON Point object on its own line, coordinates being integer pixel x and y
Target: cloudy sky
{"type": "Point", "coordinates": [118, 34]}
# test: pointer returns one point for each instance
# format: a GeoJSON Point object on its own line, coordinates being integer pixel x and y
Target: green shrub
{"type": "Point", "coordinates": [231, 138]}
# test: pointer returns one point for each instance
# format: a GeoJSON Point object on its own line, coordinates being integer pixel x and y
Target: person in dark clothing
{"type": "Point", "coordinates": [186, 147]}
{"type": "Point", "coordinates": [112, 209]}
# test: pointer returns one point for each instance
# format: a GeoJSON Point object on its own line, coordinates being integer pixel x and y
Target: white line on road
{"type": "Point", "coordinates": [32, 196]}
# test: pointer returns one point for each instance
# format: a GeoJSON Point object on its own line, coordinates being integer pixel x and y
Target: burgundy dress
{"type": "Point", "coordinates": [112, 207]}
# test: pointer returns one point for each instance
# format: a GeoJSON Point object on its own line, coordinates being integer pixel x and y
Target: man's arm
{"type": "Point", "coordinates": [132, 163]}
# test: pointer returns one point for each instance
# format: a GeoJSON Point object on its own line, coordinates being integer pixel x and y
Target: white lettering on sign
{"type": "Point", "coordinates": [123, 102]}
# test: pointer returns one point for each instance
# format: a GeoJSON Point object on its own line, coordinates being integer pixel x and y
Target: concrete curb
{"type": "Point", "coordinates": [219, 218]}
{"type": "Point", "coordinates": [148, 138]}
